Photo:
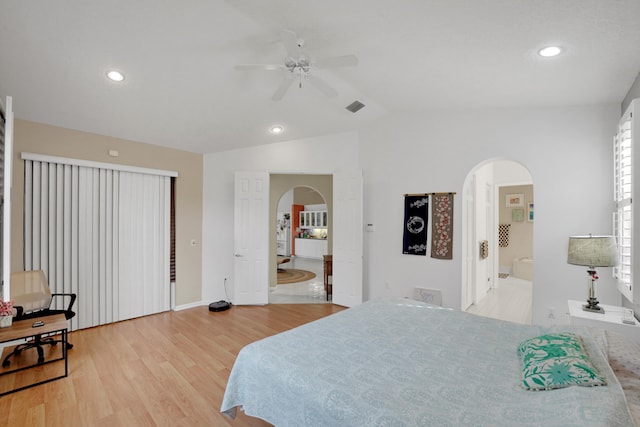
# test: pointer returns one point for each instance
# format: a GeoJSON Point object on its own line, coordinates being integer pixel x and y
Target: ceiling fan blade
{"type": "Point", "coordinates": [283, 88]}
{"type": "Point", "coordinates": [290, 42]}
{"type": "Point", "coordinates": [337, 61]}
{"type": "Point", "coordinates": [268, 67]}
{"type": "Point", "coordinates": [322, 86]}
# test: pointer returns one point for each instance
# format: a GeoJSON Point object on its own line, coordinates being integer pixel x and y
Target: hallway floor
{"type": "Point", "coordinates": [308, 292]}
{"type": "Point", "coordinates": [510, 301]}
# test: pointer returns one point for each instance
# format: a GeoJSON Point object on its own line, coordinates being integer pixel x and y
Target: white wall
{"type": "Point", "coordinates": [568, 152]}
{"type": "Point", "coordinates": [634, 92]}
{"type": "Point", "coordinates": [285, 202]}
{"type": "Point", "coordinates": [315, 155]}
{"type": "Point", "coordinates": [566, 149]}
{"type": "Point", "coordinates": [510, 173]}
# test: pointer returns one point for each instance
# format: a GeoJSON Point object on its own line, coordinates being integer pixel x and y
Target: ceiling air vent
{"type": "Point", "coordinates": [355, 106]}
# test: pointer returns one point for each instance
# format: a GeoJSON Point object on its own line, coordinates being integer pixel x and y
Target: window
{"type": "Point", "coordinates": [623, 198]}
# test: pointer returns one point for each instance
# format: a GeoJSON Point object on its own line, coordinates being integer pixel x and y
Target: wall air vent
{"type": "Point", "coordinates": [355, 106]}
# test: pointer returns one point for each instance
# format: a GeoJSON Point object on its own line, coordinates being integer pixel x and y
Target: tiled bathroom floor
{"type": "Point", "coordinates": [308, 292]}
{"type": "Point", "coordinates": [510, 301]}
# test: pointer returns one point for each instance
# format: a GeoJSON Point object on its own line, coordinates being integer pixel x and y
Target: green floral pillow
{"type": "Point", "coordinates": [556, 361]}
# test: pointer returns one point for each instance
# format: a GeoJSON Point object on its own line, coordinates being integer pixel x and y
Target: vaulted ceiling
{"type": "Point", "coordinates": [181, 88]}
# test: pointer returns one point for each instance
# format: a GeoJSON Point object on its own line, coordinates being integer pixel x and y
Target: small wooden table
{"type": "Point", "coordinates": [23, 329]}
{"type": "Point", "coordinates": [328, 272]}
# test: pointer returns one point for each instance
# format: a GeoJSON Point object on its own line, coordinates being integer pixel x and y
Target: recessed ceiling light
{"type": "Point", "coordinates": [276, 129]}
{"type": "Point", "coordinates": [116, 76]}
{"type": "Point", "coordinates": [550, 51]}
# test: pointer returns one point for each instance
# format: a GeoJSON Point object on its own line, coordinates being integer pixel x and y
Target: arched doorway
{"type": "Point", "coordinates": [302, 239]}
{"type": "Point", "coordinates": [497, 236]}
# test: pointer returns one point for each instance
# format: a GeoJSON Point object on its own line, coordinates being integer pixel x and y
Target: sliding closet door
{"type": "Point", "coordinates": [102, 234]}
{"type": "Point", "coordinates": [144, 244]}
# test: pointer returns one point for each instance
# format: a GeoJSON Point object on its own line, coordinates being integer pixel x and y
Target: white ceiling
{"type": "Point", "coordinates": [181, 89]}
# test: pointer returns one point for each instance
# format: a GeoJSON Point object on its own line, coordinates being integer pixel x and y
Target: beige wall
{"type": "Point", "coordinates": [303, 196]}
{"type": "Point", "coordinates": [44, 139]}
{"type": "Point", "coordinates": [280, 184]}
{"type": "Point", "coordinates": [521, 233]}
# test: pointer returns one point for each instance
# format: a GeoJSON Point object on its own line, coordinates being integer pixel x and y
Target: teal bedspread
{"type": "Point", "coordinates": [405, 363]}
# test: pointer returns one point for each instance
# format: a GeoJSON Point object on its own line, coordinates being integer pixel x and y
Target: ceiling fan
{"type": "Point", "coordinates": [298, 66]}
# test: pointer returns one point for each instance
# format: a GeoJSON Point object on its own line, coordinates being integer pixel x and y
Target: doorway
{"type": "Point", "coordinates": [302, 237]}
{"type": "Point", "coordinates": [255, 205]}
{"type": "Point", "coordinates": [497, 276]}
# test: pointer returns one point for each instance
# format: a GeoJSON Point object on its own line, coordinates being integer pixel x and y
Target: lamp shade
{"type": "Point", "coordinates": [593, 251]}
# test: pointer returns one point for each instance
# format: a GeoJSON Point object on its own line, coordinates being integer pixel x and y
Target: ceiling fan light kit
{"type": "Point", "coordinates": [299, 66]}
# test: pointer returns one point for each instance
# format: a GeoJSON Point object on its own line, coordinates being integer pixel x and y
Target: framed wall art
{"type": "Point", "coordinates": [515, 200]}
{"type": "Point", "coordinates": [517, 215]}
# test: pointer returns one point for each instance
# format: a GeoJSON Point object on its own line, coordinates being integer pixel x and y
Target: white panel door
{"type": "Point", "coordinates": [251, 238]}
{"type": "Point", "coordinates": [347, 238]}
{"type": "Point", "coordinates": [489, 233]}
{"type": "Point", "coordinates": [469, 272]}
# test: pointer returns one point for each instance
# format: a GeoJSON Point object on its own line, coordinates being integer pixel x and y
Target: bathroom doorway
{"type": "Point", "coordinates": [498, 220]}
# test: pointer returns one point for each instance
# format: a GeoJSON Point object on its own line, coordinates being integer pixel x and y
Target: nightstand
{"type": "Point", "coordinates": [611, 320]}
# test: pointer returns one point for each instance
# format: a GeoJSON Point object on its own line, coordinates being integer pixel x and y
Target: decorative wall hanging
{"type": "Point", "coordinates": [484, 249]}
{"type": "Point", "coordinates": [416, 214]}
{"type": "Point", "coordinates": [514, 200]}
{"type": "Point", "coordinates": [503, 235]}
{"type": "Point", "coordinates": [442, 227]}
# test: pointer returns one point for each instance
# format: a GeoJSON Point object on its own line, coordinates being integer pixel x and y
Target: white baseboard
{"type": "Point", "coordinates": [190, 305]}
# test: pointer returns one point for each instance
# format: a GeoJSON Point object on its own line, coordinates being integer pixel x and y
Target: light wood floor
{"type": "Point", "coordinates": [169, 369]}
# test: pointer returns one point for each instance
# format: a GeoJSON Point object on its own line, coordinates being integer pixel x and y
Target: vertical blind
{"type": "Point", "coordinates": [100, 233]}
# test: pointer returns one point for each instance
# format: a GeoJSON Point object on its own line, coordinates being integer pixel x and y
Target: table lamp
{"type": "Point", "coordinates": [593, 251]}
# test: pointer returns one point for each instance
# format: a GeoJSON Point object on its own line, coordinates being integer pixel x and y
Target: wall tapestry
{"type": "Point", "coordinates": [442, 227]}
{"type": "Point", "coordinates": [503, 235]}
{"type": "Point", "coordinates": [416, 214]}
{"type": "Point", "coordinates": [484, 249]}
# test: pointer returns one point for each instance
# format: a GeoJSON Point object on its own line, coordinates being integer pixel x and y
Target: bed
{"type": "Point", "coordinates": [400, 362]}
